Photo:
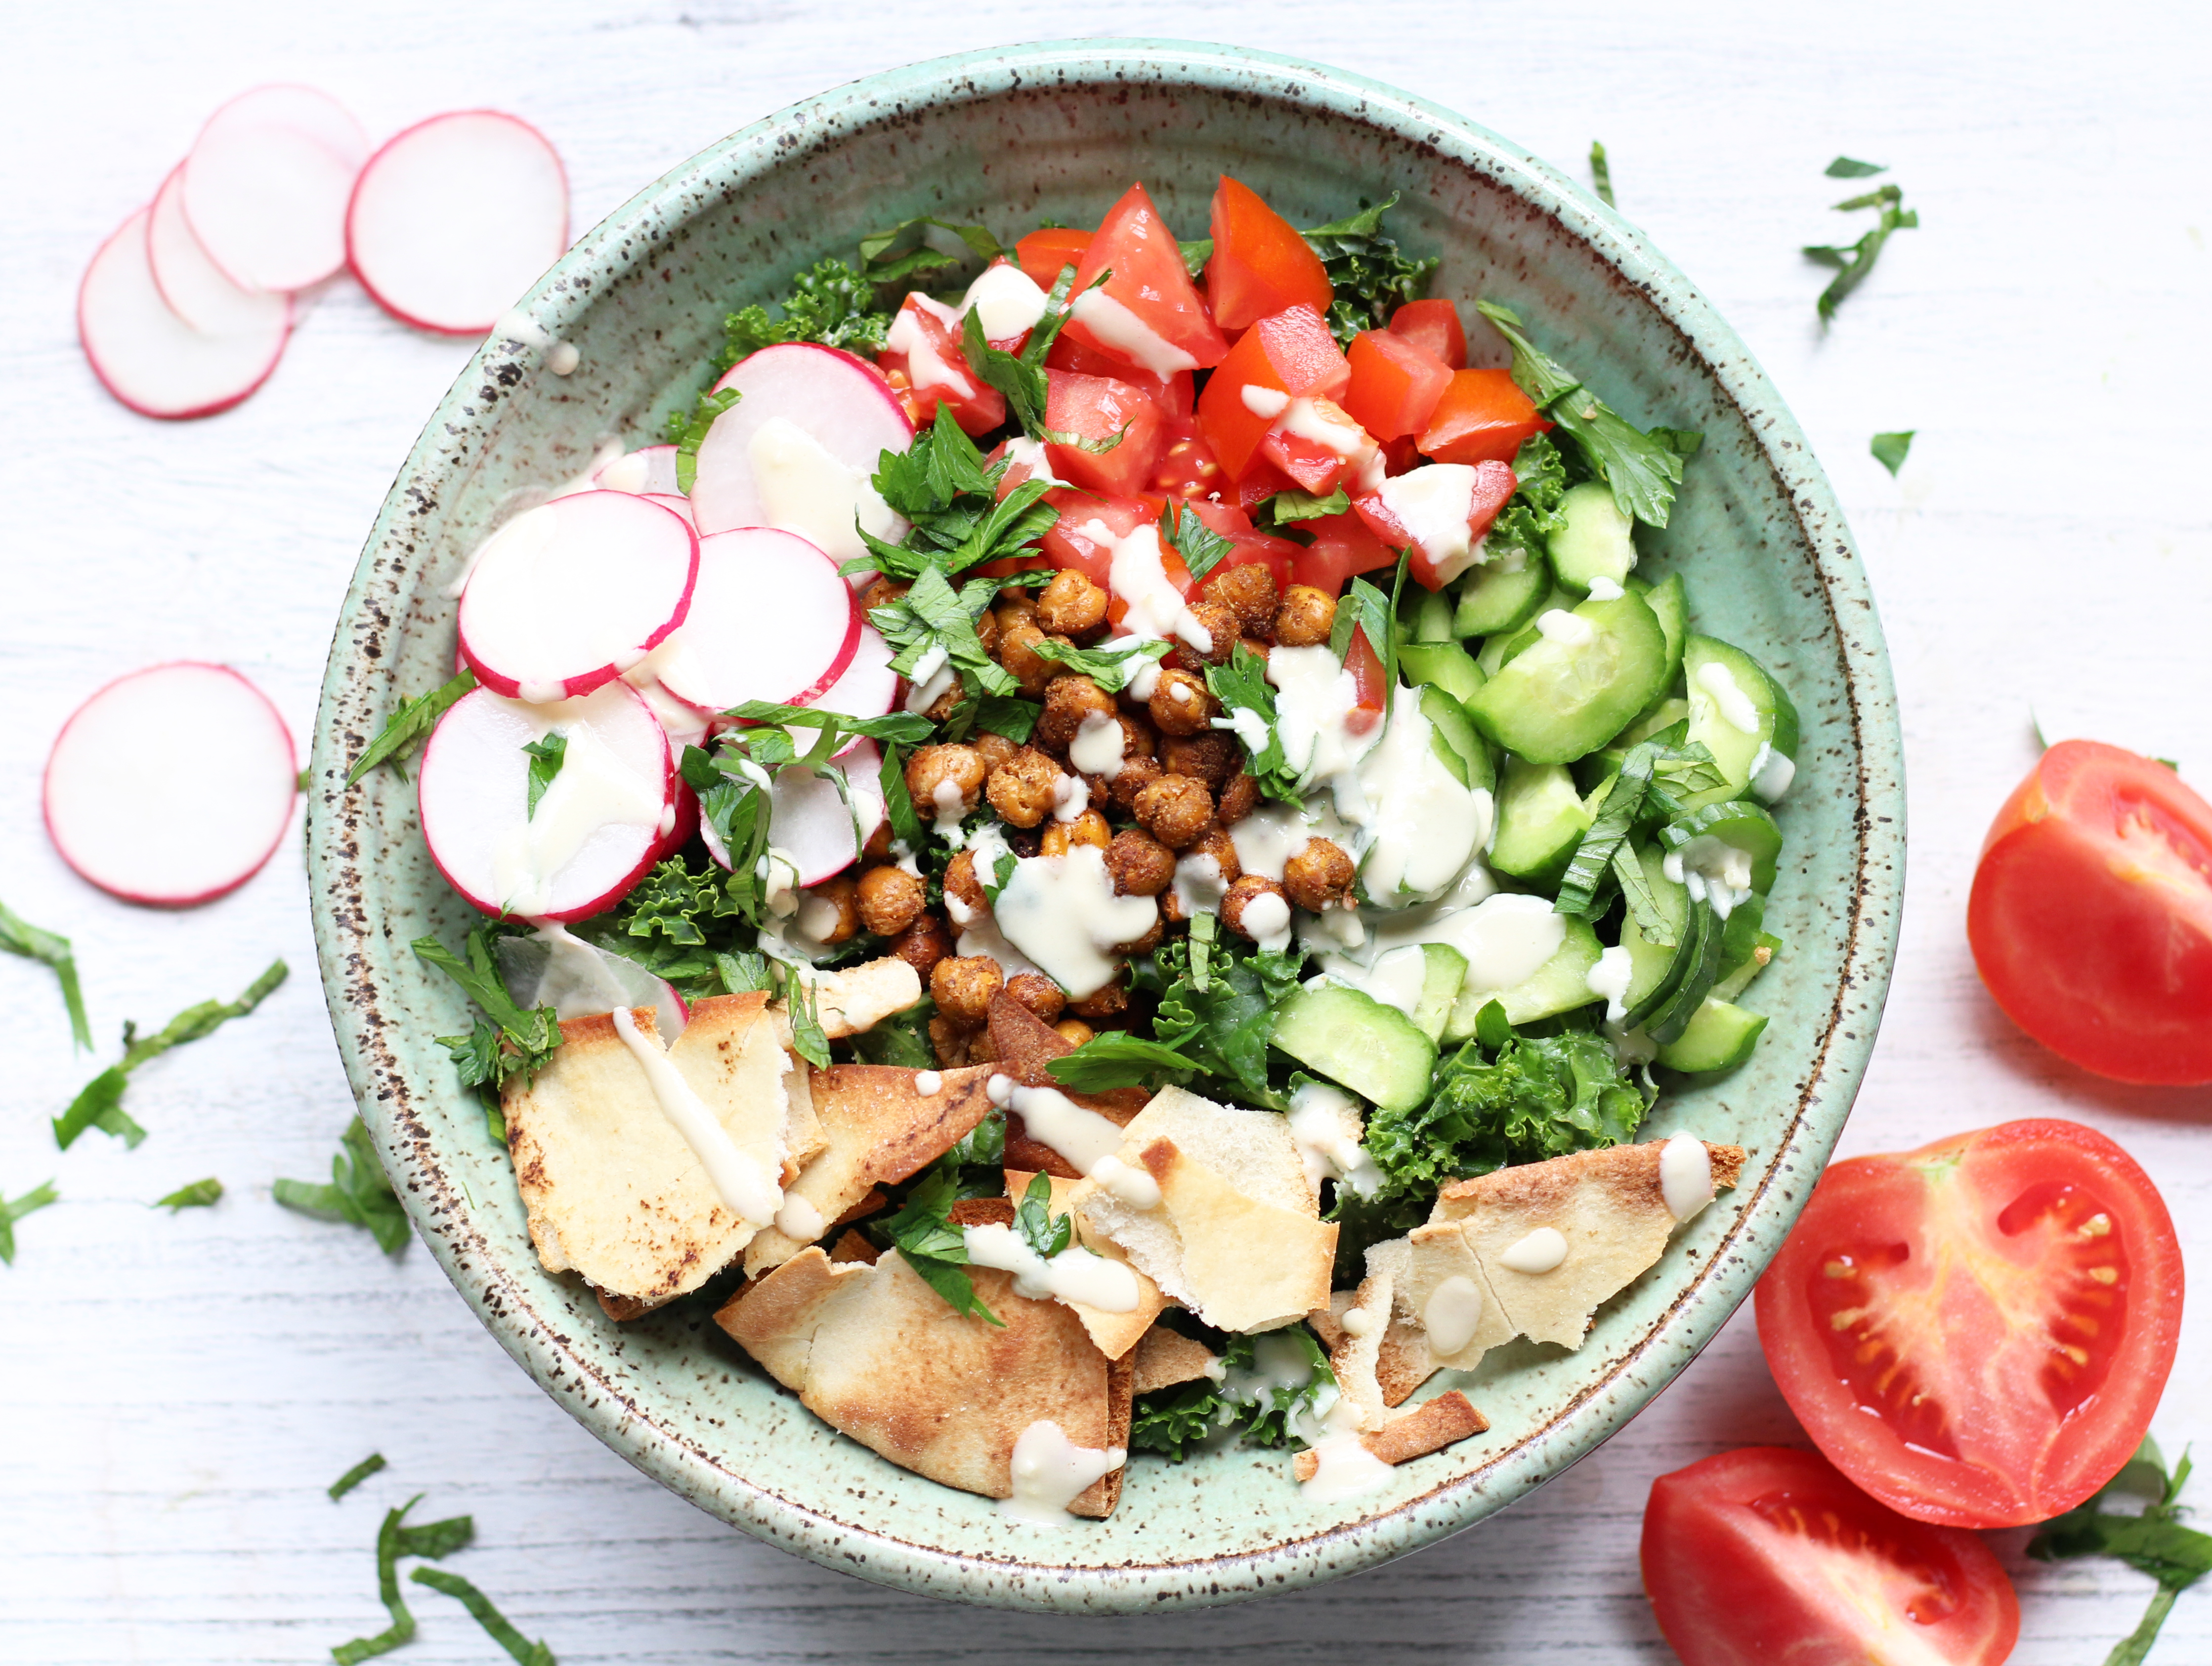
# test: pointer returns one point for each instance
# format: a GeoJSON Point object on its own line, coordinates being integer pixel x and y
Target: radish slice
{"type": "Point", "coordinates": [152, 360]}
{"type": "Point", "coordinates": [171, 786]}
{"type": "Point", "coordinates": [266, 185]}
{"type": "Point", "coordinates": [193, 285]}
{"type": "Point", "coordinates": [574, 592]}
{"type": "Point", "coordinates": [676, 504]}
{"type": "Point", "coordinates": [597, 827]}
{"type": "Point", "coordinates": [686, 823]}
{"type": "Point", "coordinates": [798, 450]}
{"type": "Point", "coordinates": [770, 620]}
{"type": "Point", "coordinates": [808, 820]}
{"type": "Point", "coordinates": [553, 968]}
{"type": "Point", "coordinates": [869, 687]}
{"type": "Point", "coordinates": [651, 468]}
{"type": "Point", "coordinates": [456, 217]}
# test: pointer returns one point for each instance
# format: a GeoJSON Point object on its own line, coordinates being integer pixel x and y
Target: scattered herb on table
{"type": "Point", "coordinates": [359, 1193]}
{"type": "Point", "coordinates": [1889, 449]}
{"type": "Point", "coordinates": [1849, 167]}
{"type": "Point", "coordinates": [1601, 174]}
{"type": "Point", "coordinates": [354, 1477]}
{"type": "Point", "coordinates": [518, 1646]}
{"type": "Point", "coordinates": [11, 1212]}
{"type": "Point", "coordinates": [100, 1103]}
{"type": "Point", "coordinates": [1853, 261]}
{"type": "Point", "coordinates": [19, 936]}
{"type": "Point", "coordinates": [200, 1195]}
{"type": "Point", "coordinates": [395, 1539]}
{"type": "Point", "coordinates": [2154, 1542]}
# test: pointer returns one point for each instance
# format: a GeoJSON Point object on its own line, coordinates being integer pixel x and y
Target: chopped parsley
{"type": "Point", "coordinates": [359, 1195]}
{"type": "Point", "coordinates": [518, 1646]}
{"type": "Point", "coordinates": [1371, 277]}
{"type": "Point", "coordinates": [1853, 261]}
{"type": "Point", "coordinates": [1045, 1233]}
{"type": "Point", "coordinates": [545, 759]}
{"type": "Point", "coordinates": [1020, 376]}
{"type": "Point", "coordinates": [2152, 1541]}
{"type": "Point", "coordinates": [944, 488]}
{"type": "Point", "coordinates": [688, 433]}
{"type": "Point", "coordinates": [1849, 167]}
{"type": "Point", "coordinates": [900, 252]}
{"type": "Point", "coordinates": [200, 1195]}
{"type": "Point", "coordinates": [933, 625]}
{"type": "Point", "coordinates": [1291, 505]}
{"type": "Point", "coordinates": [1241, 686]}
{"type": "Point", "coordinates": [19, 936]}
{"type": "Point", "coordinates": [100, 1103]}
{"type": "Point", "coordinates": [1890, 449]}
{"type": "Point", "coordinates": [922, 1232]}
{"type": "Point", "coordinates": [1112, 665]}
{"type": "Point", "coordinates": [506, 1040]}
{"type": "Point", "coordinates": [12, 1211]}
{"type": "Point", "coordinates": [408, 727]}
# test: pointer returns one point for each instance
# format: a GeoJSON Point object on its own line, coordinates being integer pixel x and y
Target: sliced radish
{"type": "Point", "coordinates": [676, 504]}
{"type": "Point", "coordinates": [553, 968]}
{"type": "Point", "coordinates": [651, 468]}
{"type": "Point", "coordinates": [574, 592]}
{"type": "Point", "coordinates": [770, 620]}
{"type": "Point", "coordinates": [149, 358]}
{"type": "Point", "coordinates": [685, 824]}
{"type": "Point", "coordinates": [869, 687]}
{"type": "Point", "coordinates": [684, 723]}
{"type": "Point", "coordinates": [595, 830]}
{"type": "Point", "coordinates": [808, 818]}
{"type": "Point", "coordinates": [798, 450]}
{"type": "Point", "coordinates": [456, 217]}
{"type": "Point", "coordinates": [193, 285]}
{"type": "Point", "coordinates": [266, 185]}
{"type": "Point", "coordinates": [171, 786]}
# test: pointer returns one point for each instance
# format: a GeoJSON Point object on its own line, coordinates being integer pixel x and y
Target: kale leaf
{"type": "Point", "coordinates": [1222, 1020]}
{"type": "Point", "coordinates": [1372, 278]}
{"type": "Point", "coordinates": [828, 303]}
{"type": "Point", "coordinates": [1167, 1420]}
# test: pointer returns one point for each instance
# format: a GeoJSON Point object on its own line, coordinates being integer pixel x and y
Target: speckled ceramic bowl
{"type": "Point", "coordinates": [1011, 137]}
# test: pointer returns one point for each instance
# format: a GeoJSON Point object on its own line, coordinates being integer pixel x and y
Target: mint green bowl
{"type": "Point", "coordinates": [1011, 137]}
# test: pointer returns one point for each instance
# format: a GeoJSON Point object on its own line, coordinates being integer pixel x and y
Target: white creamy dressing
{"type": "Point", "coordinates": [1097, 747]}
{"type": "Point", "coordinates": [1771, 772]}
{"type": "Point", "coordinates": [1686, 1175]}
{"type": "Point", "coordinates": [1452, 1314]}
{"type": "Point", "coordinates": [1558, 625]}
{"type": "Point", "coordinates": [933, 674]}
{"type": "Point", "coordinates": [1062, 913]}
{"type": "Point", "coordinates": [1324, 1120]}
{"type": "Point", "coordinates": [561, 357]}
{"type": "Point", "coordinates": [928, 1083]}
{"type": "Point", "coordinates": [1610, 978]}
{"type": "Point", "coordinates": [749, 1190]}
{"type": "Point", "coordinates": [1266, 920]}
{"type": "Point", "coordinates": [1006, 301]}
{"type": "Point", "coordinates": [1345, 1469]}
{"type": "Point", "coordinates": [1120, 330]}
{"type": "Point", "coordinates": [925, 367]}
{"type": "Point", "coordinates": [1266, 403]}
{"type": "Point", "coordinates": [950, 804]}
{"type": "Point", "coordinates": [1421, 825]}
{"type": "Point", "coordinates": [1280, 1365]}
{"type": "Point", "coordinates": [1050, 1471]}
{"type": "Point", "coordinates": [1435, 504]}
{"type": "Point", "coordinates": [1541, 1251]}
{"type": "Point", "coordinates": [1071, 797]}
{"type": "Point", "coordinates": [1199, 886]}
{"type": "Point", "coordinates": [799, 1218]}
{"type": "Point", "coordinates": [1267, 839]}
{"type": "Point", "coordinates": [1712, 871]}
{"type": "Point", "coordinates": [1314, 697]}
{"type": "Point", "coordinates": [1505, 937]}
{"type": "Point", "coordinates": [1075, 1275]}
{"type": "Point", "coordinates": [804, 489]}
{"type": "Point", "coordinates": [818, 916]}
{"type": "Point", "coordinates": [1137, 573]}
{"type": "Point", "coordinates": [1719, 685]}
{"type": "Point", "coordinates": [595, 789]}
{"type": "Point", "coordinates": [1249, 726]}
{"type": "Point", "coordinates": [1029, 456]}
{"type": "Point", "coordinates": [1356, 1322]}
{"type": "Point", "coordinates": [1602, 589]}
{"type": "Point", "coordinates": [980, 935]}
{"type": "Point", "coordinates": [1394, 980]}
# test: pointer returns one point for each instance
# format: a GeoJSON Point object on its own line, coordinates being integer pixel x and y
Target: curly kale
{"type": "Point", "coordinates": [829, 303]}
{"type": "Point", "coordinates": [1373, 278]}
{"type": "Point", "coordinates": [1249, 1396]}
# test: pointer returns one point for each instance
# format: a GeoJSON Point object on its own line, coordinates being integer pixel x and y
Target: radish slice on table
{"type": "Point", "coordinates": [651, 468]}
{"type": "Point", "coordinates": [594, 831]}
{"type": "Point", "coordinates": [797, 451]}
{"type": "Point", "coordinates": [808, 820]}
{"type": "Point", "coordinates": [770, 620]}
{"type": "Point", "coordinates": [266, 185]}
{"type": "Point", "coordinates": [149, 358]}
{"type": "Point", "coordinates": [456, 217]}
{"type": "Point", "coordinates": [676, 504]}
{"type": "Point", "coordinates": [574, 592]}
{"type": "Point", "coordinates": [193, 285]}
{"type": "Point", "coordinates": [869, 687]}
{"type": "Point", "coordinates": [553, 968]}
{"type": "Point", "coordinates": [171, 786]}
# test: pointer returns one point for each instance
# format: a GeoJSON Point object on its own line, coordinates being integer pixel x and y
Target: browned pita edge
{"type": "Point", "coordinates": [854, 998]}
{"type": "Point", "coordinates": [881, 1128]}
{"type": "Point", "coordinates": [1428, 1427]}
{"type": "Point", "coordinates": [875, 1203]}
{"type": "Point", "coordinates": [1113, 1334]}
{"type": "Point", "coordinates": [1352, 1359]}
{"type": "Point", "coordinates": [980, 1212]}
{"type": "Point", "coordinates": [612, 1191]}
{"type": "Point", "coordinates": [853, 1247]}
{"type": "Point", "coordinates": [1163, 1358]}
{"type": "Point", "coordinates": [878, 1354]}
{"type": "Point", "coordinates": [1402, 1362]}
{"type": "Point", "coordinates": [1023, 1045]}
{"type": "Point", "coordinates": [622, 1309]}
{"type": "Point", "coordinates": [1096, 1501]}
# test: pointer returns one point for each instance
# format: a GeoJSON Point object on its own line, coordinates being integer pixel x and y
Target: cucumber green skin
{"type": "Point", "coordinates": [1445, 971]}
{"type": "Point", "coordinates": [1733, 750]}
{"type": "Point", "coordinates": [1356, 1041]}
{"type": "Point", "coordinates": [1650, 962]}
{"type": "Point", "coordinates": [1432, 617]}
{"type": "Point", "coordinates": [1555, 702]}
{"type": "Point", "coordinates": [1738, 979]}
{"type": "Point", "coordinates": [1720, 1037]}
{"type": "Point", "coordinates": [1492, 603]}
{"type": "Point", "coordinates": [1665, 720]}
{"type": "Point", "coordinates": [1747, 826]}
{"type": "Point", "coordinates": [1597, 542]}
{"type": "Point", "coordinates": [1560, 985]}
{"type": "Point", "coordinates": [1457, 742]}
{"type": "Point", "coordinates": [1540, 820]}
{"type": "Point", "coordinates": [1695, 969]}
{"type": "Point", "coordinates": [1445, 664]}
{"type": "Point", "coordinates": [1669, 602]}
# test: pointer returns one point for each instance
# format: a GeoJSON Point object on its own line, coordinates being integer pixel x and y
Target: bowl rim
{"type": "Point", "coordinates": [563, 1365]}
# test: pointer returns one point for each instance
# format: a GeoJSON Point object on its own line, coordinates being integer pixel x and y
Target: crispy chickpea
{"type": "Point", "coordinates": [881, 594]}
{"type": "Point", "coordinates": [993, 750]}
{"type": "Point", "coordinates": [1174, 810]}
{"type": "Point", "coordinates": [1073, 1031]}
{"type": "Point", "coordinates": [923, 944]}
{"type": "Point", "coordinates": [1140, 864]}
{"type": "Point", "coordinates": [950, 1041]}
{"type": "Point", "coordinates": [1211, 757]}
{"type": "Point", "coordinates": [1258, 649]}
{"type": "Point", "coordinates": [1222, 630]}
{"type": "Point", "coordinates": [962, 985]}
{"type": "Point", "coordinates": [1068, 700]}
{"type": "Point", "coordinates": [1137, 772]}
{"type": "Point", "coordinates": [1153, 934]}
{"type": "Point", "coordinates": [944, 705]}
{"type": "Point", "coordinates": [1242, 895]}
{"type": "Point", "coordinates": [889, 900]}
{"type": "Point", "coordinates": [1305, 618]}
{"type": "Point", "coordinates": [827, 913]}
{"type": "Point", "coordinates": [964, 897]}
{"type": "Point", "coordinates": [879, 847]}
{"type": "Point", "coordinates": [1106, 1002]}
{"type": "Point", "coordinates": [1088, 828]}
{"type": "Point", "coordinates": [1070, 603]}
{"type": "Point", "coordinates": [1140, 739]}
{"type": "Point", "coordinates": [1215, 842]}
{"type": "Point", "coordinates": [1238, 799]}
{"type": "Point", "coordinates": [1318, 875]}
{"type": "Point", "coordinates": [1181, 704]}
{"type": "Point", "coordinates": [1024, 790]}
{"type": "Point", "coordinates": [987, 630]}
{"type": "Point", "coordinates": [957, 769]}
{"type": "Point", "coordinates": [1017, 653]}
{"type": "Point", "coordinates": [1020, 598]}
{"type": "Point", "coordinates": [1038, 993]}
{"type": "Point", "coordinates": [1248, 591]}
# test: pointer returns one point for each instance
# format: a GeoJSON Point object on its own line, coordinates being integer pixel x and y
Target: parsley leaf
{"type": "Point", "coordinates": [1112, 665]}
{"type": "Point", "coordinates": [518, 1646]}
{"type": "Point", "coordinates": [1195, 254]}
{"type": "Point", "coordinates": [1853, 261]}
{"type": "Point", "coordinates": [1241, 686]}
{"type": "Point", "coordinates": [1043, 1231]}
{"type": "Point", "coordinates": [394, 1539]}
{"type": "Point", "coordinates": [1200, 546]}
{"type": "Point", "coordinates": [1847, 167]}
{"type": "Point", "coordinates": [1371, 278]}
{"type": "Point", "coordinates": [1366, 609]}
{"type": "Point", "coordinates": [1220, 1021]}
{"type": "Point", "coordinates": [408, 727]}
{"type": "Point", "coordinates": [949, 496]}
{"type": "Point", "coordinates": [1601, 174]}
{"type": "Point", "coordinates": [19, 936]}
{"type": "Point", "coordinates": [888, 256]}
{"type": "Point", "coordinates": [688, 433]}
{"type": "Point", "coordinates": [923, 1233]}
{"type": "Point", "coordinates": [828, 303]}
{"type": "Point", "coordinates": [1890, 449]}
{"type": "Point", "coordinates": [100, 1103]}
{"type": "Point", "coordinates": [354, 1477]}
{"type": "Point", "coordinates": [1290, 505]}
{"type": "Point", "coordinates": [1020, 376]}
{"type": "Point", "coordinates": [903, 727]}
{"type": "Point", "coordinates": [2153, 1542]}
{"type": "Point", "coordinates": [1114, 1058]}
{"type": "Point", "coordinates": [933, 624]}
{"type": "Point", "coordinates": [514, 1042]}
{"type": "Point", "coordinates": [10, 1213]}
{"type": "Point", "coordinates": [360, 1192]}
{"type": "Point", "coordinates": [545, 757]}
{"type": "Point", "coordinates": [200, 1195]}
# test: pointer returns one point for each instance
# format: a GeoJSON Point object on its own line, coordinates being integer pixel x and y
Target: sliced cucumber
{"type": "Point", "coordinates": [1670, 605]}
{"type": "Point", "coordinates": [1719, 1037]}
{"type": "Point", "coordinates": [1355, 1040]}
{"type": "Point", "coordinates": [1560, 698]}
{"type": "Point", "coordinates": [1735, 980]}
{"type": "Point", "coordinates": [1665, 720]}
{"type": "Point", "coordinates": [1691, 974]}
{"type": "Point", "coordinates": [1716, 675]}
{"type": "Point", "coordinates": [1426, 616]}
{"type": "Point", "coordinates": [1441, 980]}
{"type": "Point", "coordinates": [1560, 985]}
{"type": "Point", "coordinates": [1456, 740]}
{"type": "Point", "coordinates": [1597, 539]}
{"type": "Point", "coordinates": [1540, 820]}
{"type": "Point", "coordinates": [1494, 601]}
{"type": "Point", "coordinates": [1736, 821]}
{"type": "Point", "coordinates": [1648, 962]}
{"type": "Point", "coordinates": [1446, 664]}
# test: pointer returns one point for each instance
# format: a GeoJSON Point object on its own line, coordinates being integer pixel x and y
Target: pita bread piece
{"type": "Point", "coordinates": [614, 1190]}
{"type": "Point", "coordinates": [1428, 1427]}
{"type": "Point", "coordinates": [1096, 1502]}
{"type": "Point", "coordinates": [1402, 1363]}
{"type": "Point", "coordinates": [1352, 1356]}
{"type": "Point", "coordinates": [1165, 1357]}
{"type": "Point", "coordinates": [854, 998]}
{"type": "Point", "coordinates": [1023, 1046]}
{"type": "Point", "coordinates": [1114, 1334]}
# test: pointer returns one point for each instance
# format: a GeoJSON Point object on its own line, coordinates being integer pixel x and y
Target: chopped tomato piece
{"type": "Point", "coordinates": [1187, 468]}
{"type": "Point", "coordinates": [1370, 687]}
{"type": "Point", "coordinates": [923, 363]}
{"type": "Point", "coordinates": [1072, 542]}
{"type": "Point", "coordinates": [1226, 518]}
{"type": "Point", "coordinates": [1096, 409]}
{"type": "Point", "coordinates": [1173, 394]}
{"type": "Point", "coordinates": [1317, 445]}
{"type": "Point", "coordinates": [1291, 354]}
{"type": "Point", "coordinates": [1438, 554]}
{"type": "Point", "coordinates": [1396, 383]}
{"type": "Point", "coordinates": [1261, 264]}
{"type": "Point", "coordinates": [1262, 481]}
{"type": "Point", "coordinates": [1041, 254]}
{"type": "Point", "coordinates": [1148, 313]}
{"type": "Point", "coordinates": [1482, 418]}
{"type": "Point", "coordinates": [1401, 454]}
{"type": "Point", "coordinates": [1433, 324]}
{"type": "Point", "coordinates": [1342, 545]}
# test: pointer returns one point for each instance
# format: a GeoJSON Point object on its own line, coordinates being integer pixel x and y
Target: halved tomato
{"type": "Point", "coordinates": [1259, 264]}
{"type": "Point", "coordinates": [1148, 312]}
{"type": "Point", "coordinates": [1977, 1332]}
{"type": "Point", "coordinates": [1766, 1556]}
{"type": "Point", "coordinates": [2091, 915]}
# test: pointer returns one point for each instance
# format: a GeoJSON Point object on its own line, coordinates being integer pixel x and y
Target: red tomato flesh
{"type": "Point", "coordinates": [1369, 686]}
{"type": "Point", "coordinates": [1482, 418]}
{"type": "Point", "coordinates": [1433, 324]}
{"type": "Point", "coordinates": [1318, 445]}
{"type": "Point", "coordinates": [1766, 1556]}
{"type": "Point", "coordinates": [1396, 383]}
{"type": "Point", "coordinates": [1151, 284]}
{"type": "Point", "coordinates": [1259, 264]}
{"type": "Point", "coordinates": [1977, 1332]}
{"type": "Point", "coordinates": [1041, 254]}
{"type": "Point", "coordinates": [1096, 409]}
{"type": "Point", "coordinates": [1342, 545]}
{"type": "Point", "coordinates": [1291, 353]}
{"type": "Point", "coordinates": [1492, 487]}
{"type": "Point", "coordinates": [933, 371]}
{"type": "Point", "coordinates": [2091, 915]}
{"type": "Point", "coordinates": [1185, 467]}
{"type": "Point", "coordinates": [1173, 394]}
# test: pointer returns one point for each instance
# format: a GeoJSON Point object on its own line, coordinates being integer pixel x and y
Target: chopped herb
{"type": "Point", "coordinates": [11, 1212]}
{"type": "Point", "coordinates": [1847, 167]}
{"type": "Point", "coordinates": [508, 1040]}
{"type": "Point", "coordinates": [934, 622]}
{"type": "Point", "coordinates": [359, 1193]}
{"type": "Point", "coordinates": [922, 1232]}
{"type": "Point", "coordinates": [1200, 546]}
{"type": "Point", "coordinates": [949, 496]}
{"type": "Point", "coordinates": [1203, 938]}
{"type": "Point", "coordinates": [828, 303]}
{"type": "Point", "coordinates": [898, 803]}
{"type": "Point", "coordinates": [1289, 505]}
{"type": "Point", "coordinates": [1020, 376]}
{"type": "Point", "coordinates": [394, 1540]}
{"type": "Point", "coordinates": [1195, 254]}
{"type": "Point", "coordinates": [901, 1039]}
{"type": "Point", "coordinates": [1371, 278]}
{"type": "Point", "coordinates": [900, 252]}
{"type": "Point", "coordinates": [2153, 1542]}
{"type": "Point", "coordinates": [1114, 1058]}
{"type": "Point", "coordinates": [1220, 1025]}
{"type": "Point", "coordinates": [19, 936]}
{"type": "Point", "coordinates": [1043, 1231]}
{"type": "Point", "coordinates": [902, 727]}
{"type": "Point", "coordinates": [408, 727]}
{"type": "Point", "coordinates": [518, 1646]}
{"type": "Point", "coordinates": [1242, 685]}
{"type": "Point", "coordinates": [1853, 261]}
{"type": "Point", "coordinates": [1366, 609]}
{"type": "Point", "coordinates": [100, 1103]}
{"type": "Point", "coordinates": [354, 1477]}
{"type": "Point", "coordinates": [1005, 714]}
{"type": "Point", "coordinates": [1889, 449]}
{"type": "Point", "coordinates": [545, 757]}
{"type": "Point", "coordinates": [802, 1012]}
{"type": "Point", "coordinates": [200, 1195]}
{"type": "Point", "coordinates": [1601, 174]}
{"type": "Point", "coordinates": [688, 433]}
{"type": "Point", "coordinates": [1112, 665]}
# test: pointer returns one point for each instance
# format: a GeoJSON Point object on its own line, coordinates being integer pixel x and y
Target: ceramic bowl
{"type": "Point", "coordinates": [1011, 137]}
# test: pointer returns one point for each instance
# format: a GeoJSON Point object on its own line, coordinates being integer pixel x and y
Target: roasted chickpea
{"type": "Point", "coordinates": [1222, 629]}
{"type": "Point", "coordinates": [879, 847]}
{"type": "Point", "coordinates": [1216, 843]}
{"type": "Point", "coordinates": [1038, 993]}
{"type": "Point", "coordinates": [1140, 739]}
{"type": "Point", "coordinates": [1088, 828]}
{"type": "Point", "coordinates": [950, 1041]}
{"type": "Point", "coordinates": [1137, 772]}
{"type": "Point", "coordinates": [1305, 618]}
{"type": "Point", "coordinates": [881, 593]}
{"type": "Point", "coordinates": [1258, 649]}
{"type": "Point", "coordinates": [1020, 598]}
{"type": "Point", "coordinates": [1153, 938]}
{"type": "Point", "coordinates": [1211, 757]}
{"type": "Point", "coordinates": [1181, 704]}
{"type": "Point", "coordinates": [1024, 789]}
{"type": "Point", "coordinates": [1248, 591]}
{"type": "Point", "coordinates": [945, 703]}
{"type": "Point", "coordinates": [1108, 1001]}
{"type": "Point", "coordinates": [889, 900]}
{"type": "Point", "coordinates": [1070, 603]}
{"type": "Point", "coordinates": [1068, 700]}
{"type": "Point", "coordinates": [957, 770]}
{"type": "Point", "coordinates": [923, 944]}
{"type": "Point", "coordinates": [993, 750]}
{"type": "Point", "coordinates": [827, 913]}
{"type": "Point", "coordinates": [1017, 653]}
{"type": "Point", "coordinates": [987, 630]}
{"type": "Point", "coordinates": [964, 897]}
{"type": "Point", "coordinates": [1249, 894]}
{"type": "Point", "coordinates": [1140, 864]}
{"type": "Point", "coordinates": [962, 985]}
{"type": "Point", "coordinates": [1318, 875]}
{"type": "Point", "coordinates": [1174, 810]}
{"type": "Point", "coordinates": [1238, 799]}
{"type": "Point", "coordinates": [1073, 1031]}
{"type": "Point", "coordinates": [981, 1049]}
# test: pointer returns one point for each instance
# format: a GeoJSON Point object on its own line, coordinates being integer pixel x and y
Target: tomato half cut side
{"type": "Point", "coordinates": [2091, 915]}
{"type": "Point", "coordinates": [1977, 1332]}
{"type": "Point", "coordinates": [1766, 1554]}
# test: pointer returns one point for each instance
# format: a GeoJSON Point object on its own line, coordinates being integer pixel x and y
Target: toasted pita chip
{"type": "Point", "coordinates": [875, 1203]}
{"type": "Point", "coordinates": [1606, 1204]}
{"type": "Point", "coordinates": [980, 1212]}
{"type": "Point", "coordinates": [1254, 1150]}
{"type": "Point", "coordinates": [1115, 1334]}
{"type": "Point", "coordinates": [881, 1128]}
{"type": "Point", "coordinates": [804, 1138]}
{"type": "Point", "coordinates": [1022, 1046]}
{"type": "Point", "coordinates": [853, 1247]}
{"type": "Point", "coordinates": [1428, 1427]}
{"type": "Point", "coordinates": [1163, 1358]}
{"type": "Point", "coordinates": [1427, 1260]}
{"type": "Point", "coordinates": [1402, 1363]}
{"type": "Point", "coordinates": [613, 1191]}
{"type": "Point", "coordinates": [622, 1309]}
{"type": "Point", "coordinates": [1360, 1328]}
{"type": "Point", "coordinates": [854, 998]}
{"type": "Point", "coordinates": [876, 1352]}
{"type": "Point", "coordinates": [1096, 1501]}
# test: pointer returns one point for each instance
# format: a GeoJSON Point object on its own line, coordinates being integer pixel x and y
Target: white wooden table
{"type": "Point", "coordinates": [174, 1394]}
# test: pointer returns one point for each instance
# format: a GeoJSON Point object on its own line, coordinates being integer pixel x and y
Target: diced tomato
{"type": "Point", "coordinates": [1289, 353]}
{"type": "Point", "coordinates": [1342, 545]}
{"type": "Point", "coordinates": [1187, 468]}
{"type": "Point", "coordinates": [1432, 568]}
{"type": "Point", "coordinates": [1401, 454]}
{"type": "Point", "coordinates": [1158, 321]}
{"type": "Point", "coordinates": [1226, 518]}
{"type": "Point", "coordinates": [1317, 445]}
{"type": "Point", "coordinates": [926, 367]}
{"type": "Point", "coordinates": [1259, 264]}
{"type": "Point", "coordinates": [1396, 383]}
{"type": "Point", "coordinates": [1433, 324]}
{"type": "Point", "coordinates": [1370, 687]}
{"type": "Point", "coordinates": [1482, 418]}
{"type": "Point", "coordinates": [1262, 481]}
{"type": "Point", "coordinates": [1041, 254]}
{"type": "Point", "coordinates": [1248, 548]}
{"type": "Point", "coordinates": [1173, 394]}
{"type": "Point", "coordinates": [1095, 407]}
{"type": "Point", "coordinates": [1069, 543]}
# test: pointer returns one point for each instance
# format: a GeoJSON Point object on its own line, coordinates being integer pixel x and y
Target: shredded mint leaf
{"type": "Point", "coordinates": [1112, 665]}
{"type": "Point", "coordinates": [1241, 684]}
{"type": "Point", "coordinates": [545, 757]}
{"type": "Point", "coordinates": [898, 803]}
{"type": "Point", "coordinates": [901, 1039]}
{"type": "Point", "coordinates": [902, 727]}
{"type": "Point", "coordinates": [923, 1233]}
{"type": "Point", "coordinates": [11, 1212]}
{"type": "Point", "coordinates": [808, 1039]}
{"type": "Point", "coordinates": [2153, 1542]}
{"type": "Point", "coordinates": [888, 256]}
{"type": "Point", "coordinates": [1040, 1229]}
{"type": "Point", "coordinates": [1005, 714]}
{"type": "Point", "coordinates": [1020, 376]}
{"type": "Point", "coordinates": [19, 936]}
{"type": "Point", "coordinates": [1889, 449]}
{"type": "Point", "coordinates": [515, 1042]}
{"type": "Point", "coordinates": [1846, 167]}
{"type": "Point", "coordinates": [1286, 506]}
{"type": "Point", "coordinates": [100, 1103]}
{"type": "Point", "coordinates": [408, 727]}
{"type": "Point", "coordinates": [354, 1477]}
{"type": "Point", "coordinates": [1601, 174]}
{"type": "Point", "coordinates": [1203, 936]}
{"type": "Point", "coordinates": [688, 433]}
{"type": "Point", "coordinates": [518, 1646]}
{"type": "Point", "coordinates": [1114, 1058]}
{"type": "Point", "coordinates": [360, 1194]}
{"type": "Point", "coordinates": [1364, 608]}
{"type": "Point", "coordinates": [1853, 261]}
{"type": "Point", "coordinates": [394, 1540]}
{"type": "Point", "coordinates": [200, 1195]}
{"type": "Point", "coordinates": [1371, 277]}
{"type": "Point", "coordinates": [1580, 888]}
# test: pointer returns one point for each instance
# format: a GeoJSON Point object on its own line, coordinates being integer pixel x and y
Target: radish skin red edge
{"type": "Point", "coordinates": [148, 356]}
{"type": "Point", "coordinates": [174, 825]}
{"type": "Point", "coordinates": [266, 185]}
{"type": "Point", "coordinates": [771, 619]}
{"type": "Point", "coordinates": [194, 288]}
